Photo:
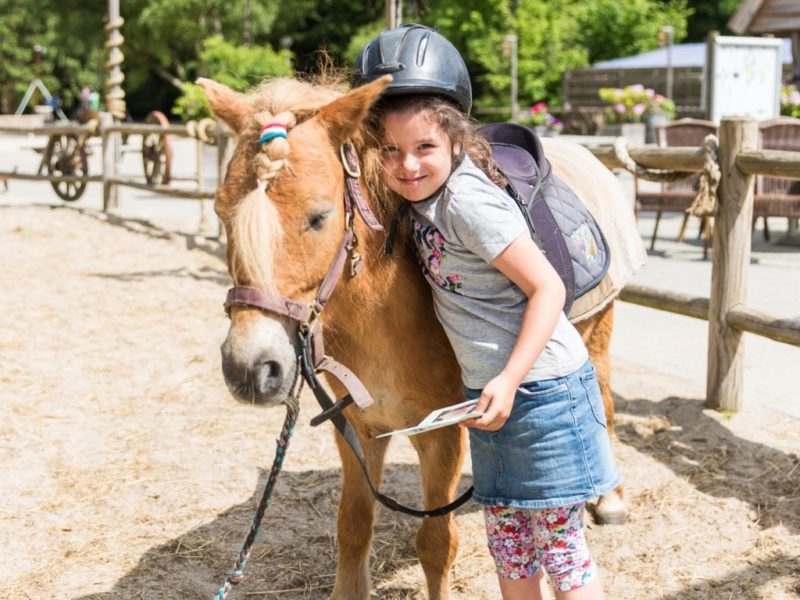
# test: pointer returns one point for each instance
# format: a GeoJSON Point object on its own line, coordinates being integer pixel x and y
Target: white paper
{"type": "Point", "coordinates": [442, 417]}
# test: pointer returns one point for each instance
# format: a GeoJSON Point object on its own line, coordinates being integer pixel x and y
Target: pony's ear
{"type": "Point", "coordinates": [226, 104]}
{"type": "Point", "coordinates": [344, 116]}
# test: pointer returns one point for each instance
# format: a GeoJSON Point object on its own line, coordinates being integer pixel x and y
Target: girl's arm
{"type": "Point", "coordinates": [525, 265]}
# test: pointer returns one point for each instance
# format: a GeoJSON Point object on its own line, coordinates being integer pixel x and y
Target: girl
{"type": "Point", "coordinates": [540, 450]}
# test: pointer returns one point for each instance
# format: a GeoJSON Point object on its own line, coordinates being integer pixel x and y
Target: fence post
{"type": "Point", "coordinates": [109, 162]}
{"type": "Point", "coordinates": [730, 263]}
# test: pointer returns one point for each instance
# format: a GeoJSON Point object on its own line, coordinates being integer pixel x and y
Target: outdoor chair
{"type": "Point", "coordinates": [774, 196]}
{"type": "Point", "coordinates": [677, 196]}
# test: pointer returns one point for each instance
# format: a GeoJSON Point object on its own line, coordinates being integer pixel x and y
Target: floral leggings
{"type": "Point", "coordinates": [522, 540]}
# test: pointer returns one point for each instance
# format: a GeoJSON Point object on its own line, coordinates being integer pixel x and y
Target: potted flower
{"type": "Point", "coordinates": [539, 118]}
{"type": "Point", "coordinates": [790, 101]}
{"type": "Point", "coordinates": [637, 104]}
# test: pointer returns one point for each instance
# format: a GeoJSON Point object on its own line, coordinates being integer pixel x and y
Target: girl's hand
{"type": "Point", "coordinates": [496, 403]}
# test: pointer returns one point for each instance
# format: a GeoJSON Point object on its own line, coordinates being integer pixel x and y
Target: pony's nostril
{"type": "Point", "coordinates": [273, 368]}
{"type": "Point", "coordinates": [268, 377]}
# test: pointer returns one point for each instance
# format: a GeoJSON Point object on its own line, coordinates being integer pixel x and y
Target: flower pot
{"type": "Point", "coordinates": [546, 130]}
{"type": "Point", "coordinates": [652, 123]}
{"type": "Point", "coordinates": [633, 132]}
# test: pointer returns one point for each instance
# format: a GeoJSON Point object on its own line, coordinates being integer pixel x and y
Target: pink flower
{"type": "Point", "coordinates": [619, 107]}
{"type": "Point", "coordinates": [539, 107]}
{"type": "Point", "coordinates": [636, 87]}
{"type": "Point", "coordinates": [638, 108]}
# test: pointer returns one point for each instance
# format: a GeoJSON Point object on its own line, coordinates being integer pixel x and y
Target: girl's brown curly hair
{"type": "Point", "coordinates": [458, 127]}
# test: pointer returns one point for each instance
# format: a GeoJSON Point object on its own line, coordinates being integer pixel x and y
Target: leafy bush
{"type": "Point", "coordinates": [790, 101]}
{"type": "Point", "coordinates": [238, 67]}
{"type": "Point", "coordinates": [538, 115]}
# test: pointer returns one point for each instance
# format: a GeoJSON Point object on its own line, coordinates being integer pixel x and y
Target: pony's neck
{"type": "Point", "coordinates": [389, 297]}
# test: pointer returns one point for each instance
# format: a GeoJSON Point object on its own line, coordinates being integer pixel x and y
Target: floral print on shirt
{"type": "Point", "coordinates": [430, 250]}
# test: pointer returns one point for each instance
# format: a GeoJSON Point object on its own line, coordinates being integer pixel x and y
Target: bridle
{"type": "Point", "coordinates": [312, 358]}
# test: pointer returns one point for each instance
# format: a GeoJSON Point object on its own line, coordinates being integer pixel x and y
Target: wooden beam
{"type": "Point", "coordinates": [675, 158]}
{"type": "Point", "coordinates": [167, 190]}
{"type": "Point", "coordinates": [730, 263]}
{"type": "Point", "coordinates": [741, 20]}
{"type": "Point", "coordinates": [777, 163]}
{"type": "Point", "coordinates": [680, 304]}
{"type": "Point", "coordinates": [58, 178]}
{"type": "Point", "coordinates": [753, 321]}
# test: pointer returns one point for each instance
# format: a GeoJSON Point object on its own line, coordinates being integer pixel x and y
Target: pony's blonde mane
{"type": "Point", "coordinates": [301, 97]}
{"type": "Point", "coordinates": [254, 221]}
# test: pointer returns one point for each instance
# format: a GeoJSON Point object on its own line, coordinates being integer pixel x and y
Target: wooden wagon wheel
{"type": "Point", "coordinates": [65, 155]}
{"type": "Point", "coordinates": [157, 151]}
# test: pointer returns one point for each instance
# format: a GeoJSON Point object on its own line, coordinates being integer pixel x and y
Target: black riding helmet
{"type": "Point", "coordinates": [421, 61]}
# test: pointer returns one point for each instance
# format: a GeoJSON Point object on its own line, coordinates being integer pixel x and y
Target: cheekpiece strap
{"type": "Point", "coordinates": [270, 131]}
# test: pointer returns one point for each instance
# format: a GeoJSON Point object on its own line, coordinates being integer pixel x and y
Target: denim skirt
{"type": "Point", "coordinates": [553, 450]}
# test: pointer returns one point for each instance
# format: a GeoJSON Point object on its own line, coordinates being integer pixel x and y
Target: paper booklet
{"type": "Point", "coordinates": [449, 415]}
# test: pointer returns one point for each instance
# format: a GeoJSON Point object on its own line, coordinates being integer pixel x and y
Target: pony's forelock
{"type": "Point", "coordinates": [256, 229]}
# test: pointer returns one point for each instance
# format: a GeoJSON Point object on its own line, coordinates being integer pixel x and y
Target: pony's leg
{"type": "Point", "coordinates": [596, 333]}
{"type": "Point", "coordinates": [441, 454]}
{"type": "Point", "coordinates": [356, 517]}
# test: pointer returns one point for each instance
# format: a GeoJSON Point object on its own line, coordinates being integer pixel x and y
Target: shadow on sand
{"type": "Point", "coordinates": [681, 435]}
{"type": "Point", "coordinates": [295, 554]}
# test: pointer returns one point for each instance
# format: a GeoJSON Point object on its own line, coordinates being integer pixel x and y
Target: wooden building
{"type": "Point", "coordinates": [780, 18]}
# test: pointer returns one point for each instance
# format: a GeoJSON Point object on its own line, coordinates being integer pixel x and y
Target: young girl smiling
{"type": "Point", "coordinates": [540, 450]}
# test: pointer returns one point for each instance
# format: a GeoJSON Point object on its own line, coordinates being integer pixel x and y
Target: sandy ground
{"type": "Point", "coordinates": [127, 471]}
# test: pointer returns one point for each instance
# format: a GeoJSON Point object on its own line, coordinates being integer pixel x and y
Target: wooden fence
{"type": "Point", "coordinates": [582, 86]}
{"type": "Point", "coordinates": [725, 310]}
{"type": "Point", "coordinates": [110, 135]}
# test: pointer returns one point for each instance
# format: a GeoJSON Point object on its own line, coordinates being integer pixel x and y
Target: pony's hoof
{"type": "Point", "coordinates": [611, 510]}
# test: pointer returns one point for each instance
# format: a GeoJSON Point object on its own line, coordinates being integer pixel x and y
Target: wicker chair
{"type": "Point", "coordinates": [774, 196]}
{"type": "Point", "coordinates": [677, 196]}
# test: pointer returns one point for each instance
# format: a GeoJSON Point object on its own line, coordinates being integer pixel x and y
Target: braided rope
{"type": "Point", "coordinates": [115, 95]}
{"type": "Point", "coordinates": [621, 152]}
{"type": "Point", "coordinates": [204, 130]}
{"type": "Point", "coordinates": [282, 443]}
{"type": "Point", "coordinates": [705, 202]}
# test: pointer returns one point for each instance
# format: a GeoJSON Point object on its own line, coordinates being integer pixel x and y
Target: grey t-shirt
{"type": "Point", "coordinates": [458, 232]}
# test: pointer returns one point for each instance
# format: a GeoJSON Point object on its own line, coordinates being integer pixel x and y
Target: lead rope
{"type": "Point", "coordinates": [292, 412]}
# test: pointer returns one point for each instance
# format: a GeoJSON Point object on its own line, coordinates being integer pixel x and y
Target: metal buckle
{"type": "Point", "coordinates": [350, 169]}
{"type": "Point", "coordinates": [305, 326]}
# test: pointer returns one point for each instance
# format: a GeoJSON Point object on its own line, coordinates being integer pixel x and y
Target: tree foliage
{"type": "Point", "coordinates": [169, 43]}
{"type": "Point", "coordinates": [238, 67]}
{"type": "Point", "coordinates": [709, 16]}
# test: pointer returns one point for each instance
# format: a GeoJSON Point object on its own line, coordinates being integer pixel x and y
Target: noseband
{"type": "Point", "coordinates": [312, 357]}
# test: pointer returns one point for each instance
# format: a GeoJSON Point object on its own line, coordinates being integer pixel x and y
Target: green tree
{"type": "Point", "coordinates": [67, 62]}
{"type": "Point", "coordinates": [709, 16]}
{"type": "Point", "coordinates": [238, 67]}
{"type": "Point", "coordinates": [611, 29]}
{"type": "Point", "coordinates": [547, 33]}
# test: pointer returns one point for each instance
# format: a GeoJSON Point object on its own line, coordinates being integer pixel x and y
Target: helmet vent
{"type": "Point", "coordinates": [421, 49]}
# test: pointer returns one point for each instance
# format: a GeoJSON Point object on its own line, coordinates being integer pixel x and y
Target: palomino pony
{"type": "Point", "coordinates": [282, 204]}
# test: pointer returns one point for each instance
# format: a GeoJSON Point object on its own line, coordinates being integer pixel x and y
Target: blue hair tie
{"type": "Point", "coordinates": [272, 131]}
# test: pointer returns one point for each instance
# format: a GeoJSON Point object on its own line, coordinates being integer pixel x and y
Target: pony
{"type": "Point", "coordinates": [283, 211]}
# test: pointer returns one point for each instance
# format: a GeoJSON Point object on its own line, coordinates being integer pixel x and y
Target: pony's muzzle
{"type": "Point", "coordinates": [258, 361]}
{"type": "Point", "coordinates": [255, 383]}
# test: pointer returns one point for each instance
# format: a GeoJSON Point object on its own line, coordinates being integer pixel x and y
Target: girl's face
{"type": "Point", "coordinates": [417, 154]}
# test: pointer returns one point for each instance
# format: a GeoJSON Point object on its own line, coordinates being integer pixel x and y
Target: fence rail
{"type": "Point", "coordinates": [725, 309]}
{"type": "Point", "coordinates": [728, 317]}
{"type": "Point", "coordinates": [109, 131]}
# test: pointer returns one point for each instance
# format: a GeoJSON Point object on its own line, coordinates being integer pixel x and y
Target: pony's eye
{"type": "Point", "coordinates": [316, 221]}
